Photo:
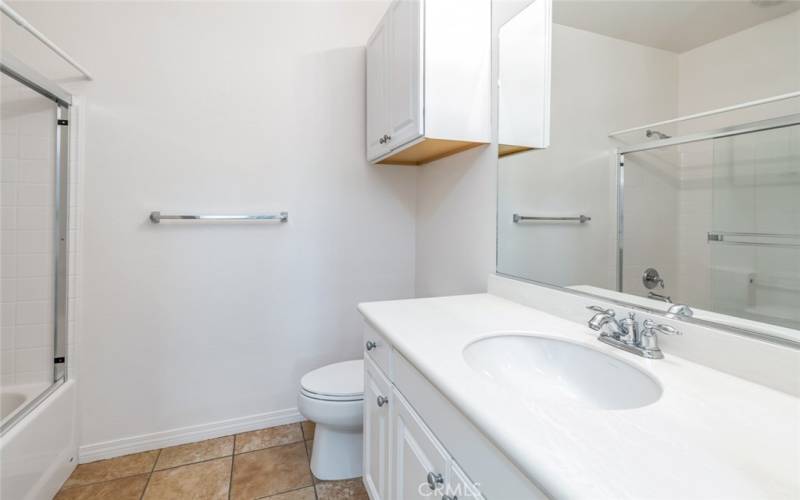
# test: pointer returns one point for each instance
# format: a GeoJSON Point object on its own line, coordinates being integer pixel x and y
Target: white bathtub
{"type": "Point", "coordinates": [40, 451]}
{"type": "Point", "coordinates": [15, 397]}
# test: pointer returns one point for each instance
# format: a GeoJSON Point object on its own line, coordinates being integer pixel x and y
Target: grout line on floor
{"type": "Point", "coordinates": [149, 476]}
{"type": "Point", "coordinates": [230, 479]}
{"type": "Point", "coordinates": [287, 491]}
{"type": "Point", "coordinates": [191, 463]}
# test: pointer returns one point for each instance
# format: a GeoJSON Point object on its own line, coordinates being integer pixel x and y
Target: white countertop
{"type": "Point", "coordinates": [709, 436]}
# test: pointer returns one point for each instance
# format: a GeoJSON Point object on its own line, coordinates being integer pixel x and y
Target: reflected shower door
{"type": "Point", "coordinates": [29, 211]}
{"type": "Point", "coordinates": [755, 236]}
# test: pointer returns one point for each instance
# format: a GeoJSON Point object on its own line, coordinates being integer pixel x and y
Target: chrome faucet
{"type": "Point", "coordinates": [627, 335]}
{"type": "Point", "coordinates": [680, 310]}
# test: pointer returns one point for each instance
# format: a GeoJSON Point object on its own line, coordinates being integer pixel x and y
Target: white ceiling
{"type": "Point", "coordinates": [674, 25]}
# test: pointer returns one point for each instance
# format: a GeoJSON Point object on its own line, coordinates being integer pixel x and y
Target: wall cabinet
{"type": "Point", "coordinates": [428, 81]}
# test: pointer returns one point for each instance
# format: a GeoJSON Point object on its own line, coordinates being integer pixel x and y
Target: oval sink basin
{"type": "Point", "coordinates": [535, 368]}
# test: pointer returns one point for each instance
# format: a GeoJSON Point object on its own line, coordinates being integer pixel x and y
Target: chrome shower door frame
{"type": "Point", "coordinates": [15, 69]}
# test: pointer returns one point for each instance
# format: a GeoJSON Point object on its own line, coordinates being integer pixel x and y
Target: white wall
{"type": "Point", "coordinates": [229, 108]}
{"type": "Point", "coordinates": [28, 215]}
{"type": "Point", "coordinates": [456, 213]}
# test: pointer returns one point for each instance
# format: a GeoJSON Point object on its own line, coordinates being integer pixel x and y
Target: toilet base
{"type": "Point", "coordinates": [336, 454]}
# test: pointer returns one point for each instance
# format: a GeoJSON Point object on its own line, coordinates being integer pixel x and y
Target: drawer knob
{"type": "Point", "coordinates": [434, 480]}
{"type": "Point", "coordinates": [371, 345]}
{"type": "Point", "coordinates": [382, 401]}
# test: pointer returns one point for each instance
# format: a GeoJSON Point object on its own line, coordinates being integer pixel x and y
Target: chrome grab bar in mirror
{"type": "Point", "coordinates": [157, 217]}
{"type": "Point", "coordinates": [581, 218]}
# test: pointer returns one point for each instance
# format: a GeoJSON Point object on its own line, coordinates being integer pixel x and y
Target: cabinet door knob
{"type": "Point", "coordinates": [382, 401]}
{"type": "Point", "coordinates": [434, 480]}
{"type": "Point", "coordinates": [371, 345]}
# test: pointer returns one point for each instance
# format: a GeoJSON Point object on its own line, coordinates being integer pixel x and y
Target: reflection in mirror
{"type": "Point", "coordinates": [524, 79]}
{"type": "Point", "coordinates": [672, 173]}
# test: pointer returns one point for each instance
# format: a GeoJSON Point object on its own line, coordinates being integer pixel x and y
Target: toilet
{"type": "Point", "coordinates": [332, 398]}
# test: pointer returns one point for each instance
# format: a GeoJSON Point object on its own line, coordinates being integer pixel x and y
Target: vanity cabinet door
{"type": "Point", "coordinates": [459, 487]}
{"type": "Point", "coordinates": [376, 431]}
{"type": "Point", "coordinates": [405, 72]}
{"type": "Point", "coordinates": [418, 463]}
{"type": "Point", "coordinates": [377, 87]}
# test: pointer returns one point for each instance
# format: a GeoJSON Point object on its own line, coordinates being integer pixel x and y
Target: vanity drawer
{"type": "Point", "coordinates": [378, 350]}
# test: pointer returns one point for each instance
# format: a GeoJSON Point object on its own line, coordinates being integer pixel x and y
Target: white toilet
{"type": "Point", "coordinates": [332, 398]}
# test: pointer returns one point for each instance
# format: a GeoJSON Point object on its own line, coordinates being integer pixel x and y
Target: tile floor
{"type": "Point", "coordinates": [269, 463]}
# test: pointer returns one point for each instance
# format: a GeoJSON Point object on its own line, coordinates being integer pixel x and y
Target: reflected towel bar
{"type": "Point", "coordinates": [581, 218]}
{"type": "Point", "coordinates": [721, 237]}
{"type": "Point", "coordinates": [157, 217]}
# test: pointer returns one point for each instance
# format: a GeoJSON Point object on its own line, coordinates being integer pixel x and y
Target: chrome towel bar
{"type": "Point", "coordinates": [157, 217]}
{"type": "Point", "coordinates": [722, 237]}
{"type": "Point", "coordinates": [581, 218]}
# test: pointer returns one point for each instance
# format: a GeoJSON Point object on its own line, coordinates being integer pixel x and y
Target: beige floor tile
{"type": "Point", "coordinates": [270, 471]}
{"type": "Point", "coordinates": [113, 468]}
{"type": "Point", "coordinates": [266, 438]}
{"type": "Point", "coordinates": [304, 494]}
{"type": "Point", "coordinates": [308, 429]}
{"type": "Point", "coordinates": [127, 488]}
{"type": "Point", "coordinates": [349, 489]}
{"type": "Point", "coordinates": [195, 452]}
{"type": "Point", "coordinates": [309, 447]}
{"type": "Point", "coordinates": [203, 481]}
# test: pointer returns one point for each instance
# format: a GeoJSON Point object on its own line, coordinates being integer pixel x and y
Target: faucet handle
{"type": "Point", "coordinates": [651, 328]}
{"type": "Point", "coordinates": [599, 309]}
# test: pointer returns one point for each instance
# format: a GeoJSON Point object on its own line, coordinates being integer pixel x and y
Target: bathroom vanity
{"type": "Point", "coordinates": [489, 396]}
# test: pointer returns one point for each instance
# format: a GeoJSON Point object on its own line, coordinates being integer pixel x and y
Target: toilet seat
{"type": "Point", "coordinates": [337, 382]}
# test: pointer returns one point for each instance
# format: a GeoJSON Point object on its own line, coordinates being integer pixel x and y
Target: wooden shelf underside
{"type": "Point", "coordinates": [510, 149]}
{"type": "Point", "coordinates": [428, 150]}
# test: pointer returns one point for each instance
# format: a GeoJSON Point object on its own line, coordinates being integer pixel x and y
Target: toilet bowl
{"type": "Point", "coordinates": [332, 397]}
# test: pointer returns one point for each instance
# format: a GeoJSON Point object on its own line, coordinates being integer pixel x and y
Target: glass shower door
{"type": "Point", "coordinates": [33, 218]}
{"type": "Point", "coordinates": [755, 236]}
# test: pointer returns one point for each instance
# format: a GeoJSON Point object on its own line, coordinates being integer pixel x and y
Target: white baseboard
{"type": "Point", "coordinates": [144, 442]}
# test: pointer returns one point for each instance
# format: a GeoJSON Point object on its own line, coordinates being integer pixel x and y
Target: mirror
{"type": "Point", "coordinates": [650, 154]}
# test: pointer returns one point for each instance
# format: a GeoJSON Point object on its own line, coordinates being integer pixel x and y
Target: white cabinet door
{"type": "Point", "coordinates": [376, 432]}
{"type": "Point", "coordinates": [459, 487]}
{"type": "Point", "coordinates": [405, 71]}
{"type": "Point", "coordinates": [524, 77]}
{"type": "Point", "coordinates": [418, 463]}
{"type": "Point", "coordinates": [377, 91]}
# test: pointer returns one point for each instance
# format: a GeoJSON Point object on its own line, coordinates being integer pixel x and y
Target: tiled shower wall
{"type": "Point", "coordinates": [27, 199]}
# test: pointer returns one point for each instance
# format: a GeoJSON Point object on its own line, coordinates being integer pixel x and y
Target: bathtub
{"type": "Point", "coordinates": [40, 451]}
{"type": "Point", "coordinates": [15, 397]}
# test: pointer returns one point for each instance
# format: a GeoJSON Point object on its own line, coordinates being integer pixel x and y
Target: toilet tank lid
{"type": "Point", "coordinates": [338, 379]}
